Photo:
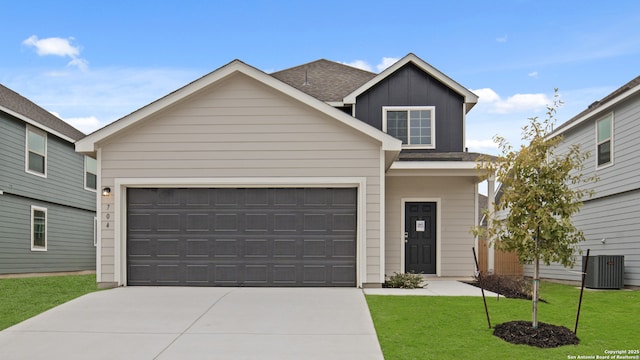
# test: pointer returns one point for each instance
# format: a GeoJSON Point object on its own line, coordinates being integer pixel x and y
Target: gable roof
{"type": "Point", "coordinates": [24, 109]}
{"type": "Point", "coordinates": [324, 80]}
{"type": "Point", "coordinates": [470, 99]}
{"type": "Point", "coordinates": [88, 144]}
{"type": "Point", "coordinates": [600, 106]}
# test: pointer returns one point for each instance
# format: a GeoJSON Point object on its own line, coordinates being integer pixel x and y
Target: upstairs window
{"type": "Point", "coordinates": [604, 140]}
{"type": "Point", "coordinates": [36, 152]}
{"type": "Point", "coordinates": [38, 228]}
{"type": "Point", "coordinates": [90, 173]}
{"type": "Point", "coordinates": [415, 126]}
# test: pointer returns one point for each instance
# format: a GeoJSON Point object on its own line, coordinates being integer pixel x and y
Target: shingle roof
{"type": "Point", "coordinates": [17, 103]}
{"type": "Point", "coordinates": [594, 107]}
{"type": "Point", "coordinates": [325, 80]}
{"type": "Point", "coordinates": [416, 155]}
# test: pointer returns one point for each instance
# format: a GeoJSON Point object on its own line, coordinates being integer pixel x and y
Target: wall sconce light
{"type": "Point", "coordinates": [106, 191]}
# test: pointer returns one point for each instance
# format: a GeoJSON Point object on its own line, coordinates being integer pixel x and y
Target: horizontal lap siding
{"type": "Point", "coordinates": [242, 129]}
{"type": "Point", "coordinates": [457, 195]}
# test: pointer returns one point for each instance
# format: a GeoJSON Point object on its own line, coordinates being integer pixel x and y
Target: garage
{"type": "Point", "coordinates": [299, 237]}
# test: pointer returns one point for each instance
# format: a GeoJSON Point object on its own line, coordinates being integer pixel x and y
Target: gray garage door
{"type": "Point", "coordinates": [241, 237]}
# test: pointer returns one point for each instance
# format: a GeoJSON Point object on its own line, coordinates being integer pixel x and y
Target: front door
{"type": "Point", "coordinates": [420, 237]}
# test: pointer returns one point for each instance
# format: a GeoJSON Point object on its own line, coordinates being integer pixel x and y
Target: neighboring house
{"type": "Point", "coordinates": [318, 175]}
{"type": "Point", "coordinates": [47, 192]}
{"type": "Point", "coordinates": [610, 130]}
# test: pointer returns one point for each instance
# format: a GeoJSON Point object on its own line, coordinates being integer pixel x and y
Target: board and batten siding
{"type": "Point", "coordinates": [613, 213]}
{"type": "Point", "coordinates": [70, 207]}
{"type": "Point", "coordinates": [240, 128]}
{"type": "Point", "coordinates": [410, 86]}
{"type": "Point", "coordinates": [458, 216]}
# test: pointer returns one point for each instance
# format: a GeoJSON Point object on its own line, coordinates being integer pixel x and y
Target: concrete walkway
{"type": "Point", "coordinates": [200, 323]}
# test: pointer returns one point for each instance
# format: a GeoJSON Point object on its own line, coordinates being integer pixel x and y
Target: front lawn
{"type": "Point", "coordinates": [434, 327]}
{"type": "Point", "coordinates": [22, 298]}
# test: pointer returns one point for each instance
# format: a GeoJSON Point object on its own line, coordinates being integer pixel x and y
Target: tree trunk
{"type": "Point", "coordinates": [536, 285]}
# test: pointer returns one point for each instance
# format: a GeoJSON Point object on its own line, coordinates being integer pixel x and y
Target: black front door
{"type": "Point", "coordinates": [420, 237]}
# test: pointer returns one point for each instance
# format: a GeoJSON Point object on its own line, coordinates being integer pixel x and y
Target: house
{"type": "Point", "coordinates": [609, 129]}
{"type": "Point", "coordinates": [47, 192]}
{"type": "Point", "coordinates": [317, 175]}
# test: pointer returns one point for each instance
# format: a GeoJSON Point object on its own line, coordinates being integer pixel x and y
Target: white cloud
{"type": "Point", "coordinates": [533, 74]}
{"type": "Point", "coordinates": [386, 62]}
{"type": "Point", "coordinates": [84, 124]}
{"type": "Point", "coordinates": [57, 47]}
{"type": "Point", "coordinates": [503, 39]}
{"type": "Point", "coordinates": [517, 103]}
{"type": "Point", "coordinates": [482, 146]}
{"type": "Point", "coordinates": [360, 64]}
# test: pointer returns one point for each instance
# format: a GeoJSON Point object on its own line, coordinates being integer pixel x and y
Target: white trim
{"type": "Point", "coordinates": [602, 109]}
{"type": "Point", "coordinates": [37, 124]}
{"type": "Point", "coordinates": [88, 144]}
{"type": "Point", "coordinates": [42, 133]}
{"type": "Point", "coordinates": [611, 160]}
{"type": "Point", "coordinates": [438, 202]}
{"type": "Point", "coordinates": [470, 98]}
{"type": "Point", "coordinates": [408, 109]}
{"type": "Point", "coordinates": [46, 228]}
{"type": "Point", "coordinates": [99, 200]}
{"type": "Point", "coordinates": [121, 184]}
{"type": "Point", "coordinates": [383, 214]}
{"type": "Point", "coordinates": [85, 173]}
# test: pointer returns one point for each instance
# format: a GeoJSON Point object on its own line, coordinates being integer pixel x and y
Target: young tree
{"type": "Point", "coordinates": [540, 195]}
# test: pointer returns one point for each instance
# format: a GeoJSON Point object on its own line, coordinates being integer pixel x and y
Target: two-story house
{"type": "Point", "coordinates": [47, 192]}
{"type": "Point", "coordinates": [317, 175]}
{"type": "Point", "coordinates": [610, 219]}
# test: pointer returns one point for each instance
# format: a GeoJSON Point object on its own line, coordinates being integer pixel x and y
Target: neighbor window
{"type": "Point", "coordinates": [90, 173]}
{"type": "Point", "coordinates": [415, 126]}
{"type": "Point", "coordinates": [38, 228]}
{"type": "Point", "coordinates": [604, 140]}
{"type": "Point", "coordinates": [36, 154]}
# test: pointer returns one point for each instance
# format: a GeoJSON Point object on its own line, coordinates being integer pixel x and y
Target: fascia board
{"type": "Point", "coordinates": [36, 124]}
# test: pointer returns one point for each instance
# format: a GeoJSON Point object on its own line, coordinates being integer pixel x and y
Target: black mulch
{"type": "Point", "coordinates": [545, 336]}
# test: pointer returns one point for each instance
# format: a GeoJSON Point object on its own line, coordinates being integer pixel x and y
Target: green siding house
{"type": "Point", "coordinates": [47, 192]}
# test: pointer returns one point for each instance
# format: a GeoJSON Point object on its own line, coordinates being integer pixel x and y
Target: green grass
{"type": "Point", "coordinates": [433, 327]}
{"type": "Point", "coordinates": [22, 298]}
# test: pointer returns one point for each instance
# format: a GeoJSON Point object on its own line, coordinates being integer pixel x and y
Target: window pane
{"type": "Point", "coordinates": [39, 228]}
{"type": "Point", "coordinates": [604, 129]}
{"type": "Point", "coordinates": [36, 162]}
{"type": "Point", "coordinates": [397, 125]}
{"type": "Point", "coordinates": [91, 165]}
{"type": "Point", "coordinates": [604, 152]}
{"type": "Point", "coordinates": [420, 121]}
{"type": "Point", "coordinates": [36, 142]}
{"type": "Point", "coordinates": [91, 181]}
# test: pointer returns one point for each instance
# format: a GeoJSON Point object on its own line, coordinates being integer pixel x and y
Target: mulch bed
{"type": "Point", "coordinates": [545, 336]}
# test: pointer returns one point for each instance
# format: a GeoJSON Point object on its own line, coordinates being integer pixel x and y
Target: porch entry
{"type": "Point", "coordinates": [420, 237]}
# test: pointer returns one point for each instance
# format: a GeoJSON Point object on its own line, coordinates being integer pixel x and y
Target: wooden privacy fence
{"type": "Point", "coordinates": [505, 263]}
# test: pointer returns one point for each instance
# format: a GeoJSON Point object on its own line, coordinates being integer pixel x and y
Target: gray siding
{"type": "Point", "coordinates": [69, 238]}
{"type": "Point", "coordinates": [613, 213]}
{"type": "Point", "coordinates": [64, 183]}
{"type": "Point", "coordinates": [71, 208]}
{"type": "Point", "coordinates": [410, 86]}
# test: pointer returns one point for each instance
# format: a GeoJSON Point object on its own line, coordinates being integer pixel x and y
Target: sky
{"type": "Point", "coordinates": [91, 63]}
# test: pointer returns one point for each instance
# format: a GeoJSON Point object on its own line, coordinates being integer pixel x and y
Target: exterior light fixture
{"type": "Point", "coordinates": [106, 191]}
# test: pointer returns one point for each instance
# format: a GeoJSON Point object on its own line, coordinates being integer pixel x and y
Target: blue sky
{"type": "Point", "coordinates": [93, 62]}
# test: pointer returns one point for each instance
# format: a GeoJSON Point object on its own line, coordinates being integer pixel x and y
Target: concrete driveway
{"type": "Point", "coordinates": [200, 323]}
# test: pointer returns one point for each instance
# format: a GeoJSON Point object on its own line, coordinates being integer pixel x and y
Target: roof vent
{"type": "Point", "coordinates": [306, 78]}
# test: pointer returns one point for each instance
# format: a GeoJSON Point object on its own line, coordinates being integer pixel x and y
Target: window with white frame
{"type": "Point", "coordinates": [604, 143]}
{"type": "Point", "coordinates": [38, 228]}
{"type": "Point", "coordinates": [90, 173]}
{"type": "Point", "coordinates": [415, 126]}
{"type": "Point", "coordinates": [36, 152]}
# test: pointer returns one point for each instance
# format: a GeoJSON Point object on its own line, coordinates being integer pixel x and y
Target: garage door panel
{"type": "Point", "coordinates": [242, 237]}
